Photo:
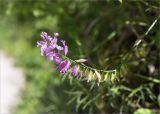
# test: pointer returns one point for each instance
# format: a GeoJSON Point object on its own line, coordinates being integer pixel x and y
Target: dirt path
{"type": "Point", "coordinates": [12, 81]}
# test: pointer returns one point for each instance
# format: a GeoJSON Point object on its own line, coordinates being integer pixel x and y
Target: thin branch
{"type": "Point", "coordinates": [148, 78]}
{"type": "Point", "coordinates": [149, 29]}
{"type": "Point", "coordinates": [146, 33]}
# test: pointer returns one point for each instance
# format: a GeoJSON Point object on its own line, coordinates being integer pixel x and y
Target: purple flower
{"type": "Point", "coordinates": [64, 66]}
{"type": "Point", "coordinates": [75, 71]}
{"type": "Point", "coordinates": [57, 59]}
{"type": "Point", "coordinates": [65, 47]}
{"type": "Point", "coordinates": [54, 56]}
{"type": "Point", "coordinates": [54, 43]}
{"type": "Point", "coordinates": [45, 36]}
{"type": "Point", "coordinates": [40, 43]}
{"type": "Point", "coordinates": [48, 44]}
{"type": "Point", "coordinates": [49, 47]}
{"type": "Point", "coordinates": [44, 47]}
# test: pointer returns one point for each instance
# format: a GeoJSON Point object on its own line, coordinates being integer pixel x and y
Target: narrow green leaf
{"type": "Point", "coordinates": [106, 76]}
{"type": "Point", "coordinates": [98, 76]}
{"type": "Point", "coordinates": [151, 26]}
{"type": "Point", "coordinates": [89, 102]}
{"type": "Point", "coordinates": [92, 85]}
{"type": "Point", "coordinates": [90, 76]}
{"type": "Point", "coordinates": [71, 100]}
{"type": "Point", "coordinates": [120, 1]}
{"type": "Point", "coordinates": [74, 92]}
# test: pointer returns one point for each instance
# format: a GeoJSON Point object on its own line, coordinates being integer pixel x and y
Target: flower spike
{"type": "Point", "coordinates": [58, 54]}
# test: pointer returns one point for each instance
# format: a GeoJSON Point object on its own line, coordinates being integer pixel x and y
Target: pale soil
{"type": "Point", "coordinates": [12, 81]}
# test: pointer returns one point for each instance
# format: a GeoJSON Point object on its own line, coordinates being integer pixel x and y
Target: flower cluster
{"type": "Point", "coordinates": [57, 53]}
{"type": "Point", "coordinates": [56, 50]}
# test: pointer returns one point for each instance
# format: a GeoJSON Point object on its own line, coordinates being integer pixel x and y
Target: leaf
{"type": "Point", "coordinates": [143, 111]}
{"type": "Point", "coordinates": [94, 76]}
{"type": "Point", "coordinates": [122, 87]}
{"type": "Point", "coordinates": [106, 76]}
{"type": "Point", "coordinates": [109, 75]}
{"type": "Point", "coordinates": [64, 77]}
{"type": "Point", "coordinates": [70, 80]}
{"type": "Point", "coordinates": [151, 26]}
{"type": "Point", "coordinates": [90, 76]}
{"type": "Point", "coordinates": [123, 70]}
{"type": "Point", "coordinates": [112, 35]}
{"type": "Point", "coordinates": [74, 93]}
{"type": "Point", "coordinates": [86, 104]}
{"type": "Point", "coordinates": [81, 101]}
{"type": "Point", "coordinates": [71, 100]}
{"type": "Point", "coordinates": [86, 72]}
{"type": "Point", "coordinates": [98, 76]}
{"type": "Point", "coordinates": [120, 1]}
{"type": "Point", "coordinates": [81, 60]}
{"type": "Point", "coordinates": [89, 102]}
{"type": "Point", "coordinates": [78, 103]}
{"type": "Point", "coordinates": [113, 76]}
{"type": "Point", "coordinates": [92, 85]}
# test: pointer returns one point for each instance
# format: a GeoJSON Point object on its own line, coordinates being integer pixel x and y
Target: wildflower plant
{"type": "Point", "coordinates": [51, 49]}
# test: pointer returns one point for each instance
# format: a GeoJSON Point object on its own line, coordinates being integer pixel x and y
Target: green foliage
{"type": "Point", "coordinates": [143, 111]}
{"type": "Point", "coordinates": [106, 33]}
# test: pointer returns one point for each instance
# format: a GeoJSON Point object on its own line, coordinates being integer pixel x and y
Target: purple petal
{"type": "Point", "coordinates": [57, 59]}
{"type": "Point", "coordinates": [54, 43]}
{"type": "Point", "coordinates": [59, 48]}
{"type": "Point", "coordinates": [52, 55]}
{"type": "Point", "coordinates": [65, 47]}
{"type": "Point", "coordinates": [45, 36]}
{"type": "Point", "coordinates": [45, 49]}
{"type": "Point", "coordinates": [66, 68]}
{"type": "Point", "coordinates": [62, 65]}
{"type": "Point", "coordinates": [40, 43]}
{"type": "Point", "coordinates": [75, 71]}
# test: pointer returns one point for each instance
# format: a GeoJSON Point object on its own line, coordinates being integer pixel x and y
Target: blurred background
{"type": "Point", "coordinates": [102, 32]}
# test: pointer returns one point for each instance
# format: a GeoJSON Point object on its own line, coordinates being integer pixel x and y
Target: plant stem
{"type": "Point", "coordinates": [88, 67]}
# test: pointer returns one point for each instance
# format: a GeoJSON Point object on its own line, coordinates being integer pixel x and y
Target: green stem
{"type": "Point", "coordinates": [148, 78]}
{"type": "Point", "coordinates": [87, 67]}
